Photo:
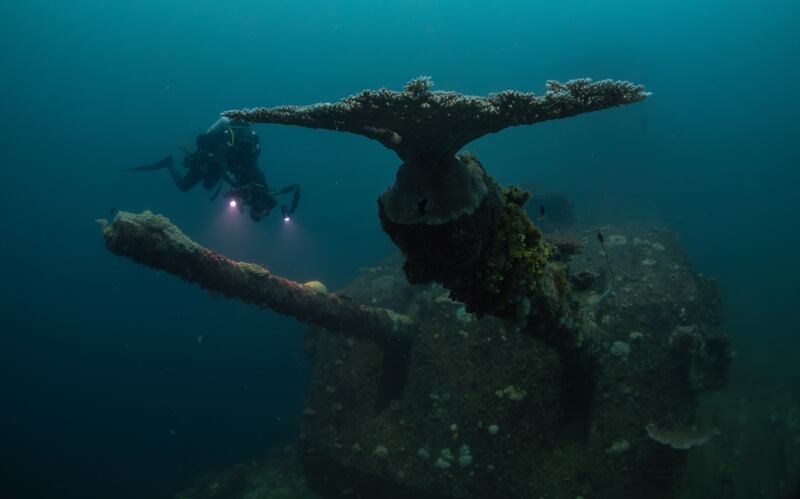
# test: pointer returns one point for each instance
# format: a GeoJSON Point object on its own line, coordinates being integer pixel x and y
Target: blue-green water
{"type": "Point", "coordinates": [120, 382]}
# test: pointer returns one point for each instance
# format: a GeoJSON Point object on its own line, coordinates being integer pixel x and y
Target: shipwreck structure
{"type": "Point", "coordinates": [487, 360]}
{"type": "Point", "coordinates": [454, 223]}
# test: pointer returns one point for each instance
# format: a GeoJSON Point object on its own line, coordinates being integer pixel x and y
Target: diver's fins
{"type": "Point", "coordinates": [158, 165]}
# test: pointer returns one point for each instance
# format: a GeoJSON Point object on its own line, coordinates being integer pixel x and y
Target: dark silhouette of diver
{"type": "Point", "coordinates": [228, 153]}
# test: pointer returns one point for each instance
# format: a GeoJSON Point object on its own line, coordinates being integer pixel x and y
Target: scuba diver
{"type": "Point", "coordinates": [228, 153]}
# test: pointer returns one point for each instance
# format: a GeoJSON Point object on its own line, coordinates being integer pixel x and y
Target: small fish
{"type": "Point", "coordinates": [600, 237]}
{"type": "Point", "coordinates": [112, 211]}
{"type": "Point", "coordinates": [541, 211]}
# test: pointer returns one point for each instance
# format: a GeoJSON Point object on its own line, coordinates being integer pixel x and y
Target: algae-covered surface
{"type": "Point", "coordinates": [275, 478]}
{"type": "Point", "coordinates": [485, 410]}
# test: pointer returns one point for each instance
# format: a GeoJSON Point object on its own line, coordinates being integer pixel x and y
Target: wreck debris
{"type": "Point", "coordinates": [154, 241]}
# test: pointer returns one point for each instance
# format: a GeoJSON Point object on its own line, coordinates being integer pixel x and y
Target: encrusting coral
{"type": "Point", "coordinates": [154, 241]}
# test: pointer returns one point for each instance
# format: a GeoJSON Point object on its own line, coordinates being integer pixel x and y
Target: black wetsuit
{"type": "Point", "coordinates": [227, 151]}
